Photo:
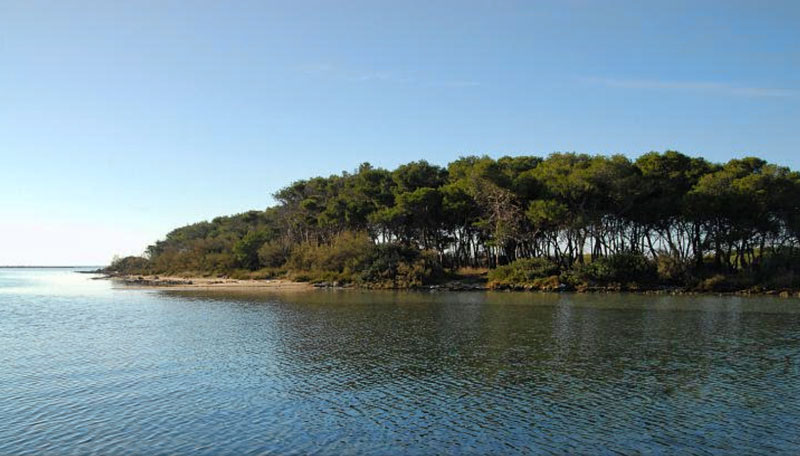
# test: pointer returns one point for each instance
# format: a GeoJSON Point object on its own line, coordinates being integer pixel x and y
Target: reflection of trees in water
{"type": "Point", "coordinates": [664, 344]}
{"type": "Point", "coordinates": [470, 343]}
{"type": "Point", "coordinates": [518, 368]}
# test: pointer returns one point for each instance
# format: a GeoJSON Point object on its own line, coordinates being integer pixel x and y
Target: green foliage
{"type": "Point", "coordinates": [620, 268]}
{"type": "Point", "coordinates": [666, 179]}
{"type": "Point", "coordinates": [208, 247]}
{"type": "Point", "coordinates": [416, 175]}
{"type": "Point", "coordinates": [726, 283]}
{"type": "Point", "coordinates": [672, 269]}
{"type": "Point", "coordinates": [346, 253]}
{"type": "Point", "coordinates": [525, 272]}
{"type": "Point", "coordinates": [273, 254]}
{"type": "Point", "coordinates": [128, 265]}
{"type": "Point", "coordinates": [353, 257]}
{"type": "Point", "coordinates": [246, 249]}
{"type": "Point", "coordinates": [664, 217]}
{"type": "Point", "coordinates": [779, 270]}
{"type": "Point", "coordinates": [547, 214]}
{"type": "Point", "coordinates": [718, 282]}
{"type": "Point", "coordinates": [398, 266]}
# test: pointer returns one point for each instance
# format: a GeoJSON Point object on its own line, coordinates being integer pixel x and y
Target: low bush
{"type": "Point", "coordinates": [268, 273]}
{"type": "Point", "coordinates": [220, 263]}
{"type": "Point", "coordinates": [717, 282]}
{"type": "Point", "coordinates": [527, 272]}
{"type": "Point", "coordinates": [398, 266]}
{"type": "Point", "coordinates": [346, 253]}
{"type": "Point", "coordinates": [550, 283]}
{"type": "Point", "coordinates": [353, 257]}
{"type": "Point", "coordinates": [727, 282]}
{"type": "Point", "coordinates": [273, 254]}
{"type": "Point", "coordinates": [239, 274]}
{"type": "Point", "coordinates": [778, 271]}
{"type": "Point", "coordinates": [619, 268]}
{"type": "Point", "coordinates": [788, 279]}
{"type": "Point", "coordinates": [129, 265]}
{"type": "Point", "coordinates": [673, 270]}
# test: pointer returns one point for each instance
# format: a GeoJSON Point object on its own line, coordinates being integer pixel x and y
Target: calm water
{"type": "Point", "coordinates": [86, 368]}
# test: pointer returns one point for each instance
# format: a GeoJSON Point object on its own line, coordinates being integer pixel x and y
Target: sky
{"type": "Point", "coordinates": [120, 121]}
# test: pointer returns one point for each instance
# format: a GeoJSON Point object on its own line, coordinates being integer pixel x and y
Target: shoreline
{"type": "Point", "coordinates": [205, 283]}
{"type": "Point", "coordinates": [157, 282]}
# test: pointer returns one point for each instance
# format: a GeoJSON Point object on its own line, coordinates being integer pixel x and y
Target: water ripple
{"type": "Point", "coordinates": [110, 371]}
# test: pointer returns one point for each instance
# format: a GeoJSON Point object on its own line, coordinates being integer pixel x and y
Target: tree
{"type": "Point", "coordinates": [570, 209]}
{"type": "Point", "coordinates": [245, 250]}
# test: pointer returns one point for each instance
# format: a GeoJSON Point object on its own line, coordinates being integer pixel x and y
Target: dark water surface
{"type": "Point", "coordinates": [86, 368]}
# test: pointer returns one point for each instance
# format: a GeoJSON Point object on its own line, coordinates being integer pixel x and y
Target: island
{"type": "Point", "coordinates": [662, 222]}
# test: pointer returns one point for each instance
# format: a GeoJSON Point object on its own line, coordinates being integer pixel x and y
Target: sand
{"type": "Point", "coordinates": [209, 283]}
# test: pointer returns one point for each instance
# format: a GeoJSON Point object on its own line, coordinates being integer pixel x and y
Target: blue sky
{"type": "Point", "coordinates": [122, 120]}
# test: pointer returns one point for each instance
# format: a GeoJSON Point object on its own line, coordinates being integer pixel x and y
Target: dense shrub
{"type": "Point", "coordinates": [273, 254]}
{"type": "Point", "coordinates": [526, 272]}
{"type": "Point", "coordinates": [621, 268]}
{"type": "Point", "coordinates": [672, 269]}
{"type": "Point", "coordinates": [246, 249]}
{"type": "Point", "coordinates": [727, 282]}
{"type": "Point", "coordinates": [218, 263]}
{"type": "Point", "coordinates": [398, 266]}
{"type": "Point", "coordinates": [346, 253]}
{"type": "Point", "coordinates": [128, 265]}
{"type": "Point", "coordinates": [774, 272]}
{"type": "Point", "coordinates": [787, 279]}
{"type": "Point", "coordinates": [780, 270]}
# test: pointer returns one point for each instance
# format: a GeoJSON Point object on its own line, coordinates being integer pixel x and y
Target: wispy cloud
{"type": "Point", "coordinates": [379, 76]}
{"type": "Point", "coordinates": [695, 86]}
{"type": "Point", "coordinates": [315, 68]}
{"type": "Point", "coordinates": [456, 83]}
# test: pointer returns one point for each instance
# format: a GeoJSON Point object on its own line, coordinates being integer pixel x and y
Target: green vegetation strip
{"type": "Point", "coordinates": [568, 221]}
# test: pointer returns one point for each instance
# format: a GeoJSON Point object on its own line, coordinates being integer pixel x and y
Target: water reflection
{"type": "Point", "coordinates": [529, 369]}
{"type": "Point", "coordinates": [396, 372]}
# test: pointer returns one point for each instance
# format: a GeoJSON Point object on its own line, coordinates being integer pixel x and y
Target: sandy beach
{"type": "Point", "coordinates": [205, 283]}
